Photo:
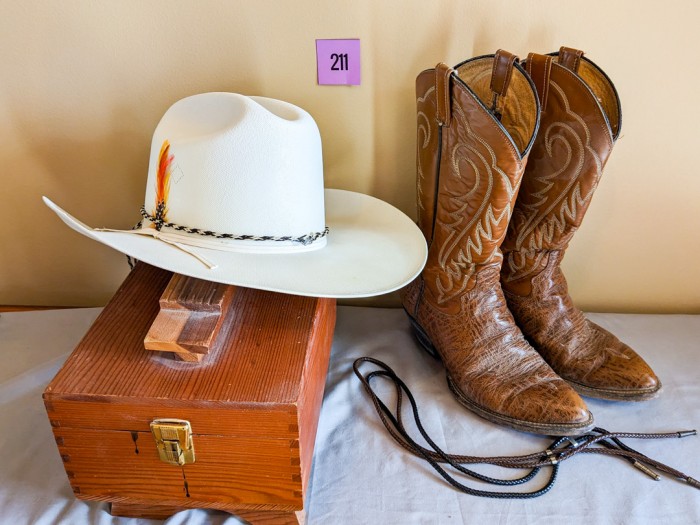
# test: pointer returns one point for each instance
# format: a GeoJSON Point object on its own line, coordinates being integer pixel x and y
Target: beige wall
{"type": "Point", "coordinates": [84, 83]}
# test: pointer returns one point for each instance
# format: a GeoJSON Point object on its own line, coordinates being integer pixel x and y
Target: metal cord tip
{"type": "Point", "coordinates": [653, 475]}
{"type": "Point", "coordinates": [551, 456]}
{"type": "Point", "coordinates": [686, 433]}
{"type": "Point", "coordinates": [574, 442]}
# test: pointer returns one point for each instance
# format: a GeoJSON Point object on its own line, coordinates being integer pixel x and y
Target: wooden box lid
{"type": "Point", "coordinates": [259, 390]}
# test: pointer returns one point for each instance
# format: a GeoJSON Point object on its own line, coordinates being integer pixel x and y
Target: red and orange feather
{"type": "Point", "coordinates": [165, 160]}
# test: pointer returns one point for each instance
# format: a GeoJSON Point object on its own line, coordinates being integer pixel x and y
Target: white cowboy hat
{"type": "Point", "coordinates": [235, 195]}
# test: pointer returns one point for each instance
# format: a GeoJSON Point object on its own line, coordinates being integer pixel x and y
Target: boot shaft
{"type": "Point", "coordinates": [580, 122]}
{"type": "Point", "coordinates": [476, 124]}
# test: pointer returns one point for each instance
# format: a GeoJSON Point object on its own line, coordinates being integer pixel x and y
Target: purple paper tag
{"type": "Point", "coordinates": [338, 61]}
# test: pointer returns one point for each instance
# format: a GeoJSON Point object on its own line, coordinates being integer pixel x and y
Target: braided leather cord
{"type": "Point", "coordinates": [561, 449]}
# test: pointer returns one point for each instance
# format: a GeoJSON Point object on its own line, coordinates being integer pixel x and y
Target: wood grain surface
{"type": "Point", "coordinates": [227, 469]}
{"type": "Point", "coordinates": [253, 403]}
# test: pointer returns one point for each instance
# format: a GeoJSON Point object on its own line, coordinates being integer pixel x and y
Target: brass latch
{"type": "Point", "coordinates": [173, 440]}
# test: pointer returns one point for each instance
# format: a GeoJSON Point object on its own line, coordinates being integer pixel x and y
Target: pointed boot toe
{"type": "Point", "coordinates": [555, 409]}
{"type": "Point", "coordinates": [625, 387]}
{"type": "Point", "coordinates": [614, 371]}
{"type": "Point", "coordinates": [545, 409]}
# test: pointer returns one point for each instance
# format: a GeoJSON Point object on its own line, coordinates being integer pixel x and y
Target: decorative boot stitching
{"type": "Point", "coordinates": [456, 257]}
{"type": "Point", "coordinates": [424, 127]}
{"type": "Point", "coordinates": [542, 228]}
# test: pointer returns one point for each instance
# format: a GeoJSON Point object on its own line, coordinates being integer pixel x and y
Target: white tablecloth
{"type": "Point", "coordinates": [360, 476]}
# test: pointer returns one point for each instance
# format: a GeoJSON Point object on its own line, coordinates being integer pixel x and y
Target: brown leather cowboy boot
{"type": "Point", "coordinates": [580, 122]}
{"type": "Point", "coordinates": [470, 162]}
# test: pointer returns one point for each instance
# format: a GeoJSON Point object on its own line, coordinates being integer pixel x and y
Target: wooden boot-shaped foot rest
{"type": "Point", "coordinates": [191, 314]}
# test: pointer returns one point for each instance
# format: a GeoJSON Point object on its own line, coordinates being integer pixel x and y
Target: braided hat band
{"type": "Point", "coordinates": [159, 223]}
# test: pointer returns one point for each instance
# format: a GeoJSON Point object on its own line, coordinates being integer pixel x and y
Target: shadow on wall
{"type": "Point", "coordinates": [85, 95]}
{"type": "Point", "coordinates": [98, 177]}
{"type": "Point", "coordinates": [394, 125]}
{"type": "Point", "coordinates": [394, 99]}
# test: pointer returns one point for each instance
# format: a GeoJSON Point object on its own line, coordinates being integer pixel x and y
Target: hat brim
{"type": "Point", "coordinates": [372, 249]}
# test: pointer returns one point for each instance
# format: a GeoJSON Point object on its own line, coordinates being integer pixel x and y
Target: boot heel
{"type": "Point", "coordinates": [423, 338]}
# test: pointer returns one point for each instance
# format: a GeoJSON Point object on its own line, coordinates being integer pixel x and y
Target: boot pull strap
{"type": "Point", "coordinates": [539, 67]}
{"type": "Point", "coordinates": [501, 74]}
{"type": "Point", "coordinates": [443, 72]}
{"type": "Point", "coordinates": [570, 58]}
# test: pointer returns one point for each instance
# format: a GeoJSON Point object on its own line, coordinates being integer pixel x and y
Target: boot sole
{"type": "Point", "coordinates": [610, 394]}
{"type": "Point", "coordinates": [516, 424]}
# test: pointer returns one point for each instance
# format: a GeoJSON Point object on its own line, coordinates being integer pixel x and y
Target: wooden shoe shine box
{"type": "Point", "coordinates": [252, 404]}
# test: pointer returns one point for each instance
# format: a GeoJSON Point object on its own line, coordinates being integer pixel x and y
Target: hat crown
{"type": "Point", "coordinates": [238, 165]}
